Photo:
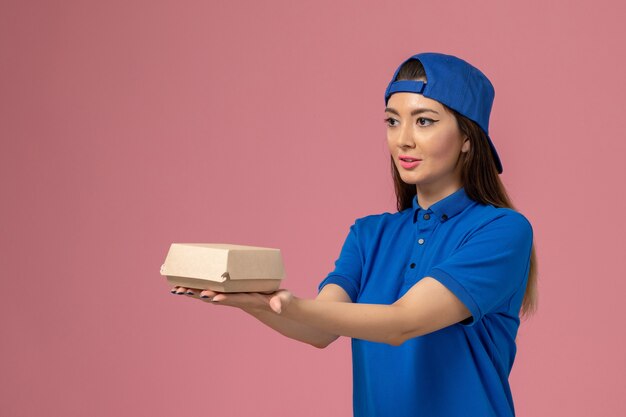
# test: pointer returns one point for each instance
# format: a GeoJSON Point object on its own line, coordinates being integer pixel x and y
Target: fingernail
{"type": "Point", "coordinates": [204, 296]}
{"type": "Point", "coordinates": [190, 292]}
{"type": "Point", "coordinates": [173, 291]}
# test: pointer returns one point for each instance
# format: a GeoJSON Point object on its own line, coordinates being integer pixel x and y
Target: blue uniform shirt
{"type": "Point", "coordinates": [479, 252]}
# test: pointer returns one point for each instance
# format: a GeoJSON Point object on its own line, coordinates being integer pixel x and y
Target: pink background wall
{"type": "Point", "coordinates": [128, 125]}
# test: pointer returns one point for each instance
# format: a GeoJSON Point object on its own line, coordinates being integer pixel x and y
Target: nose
{"type": "Point", "coordinates": [405, 136]}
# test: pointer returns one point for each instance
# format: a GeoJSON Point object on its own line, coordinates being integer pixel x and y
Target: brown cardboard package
{"type": "Point", "coordinates": [223, 267]}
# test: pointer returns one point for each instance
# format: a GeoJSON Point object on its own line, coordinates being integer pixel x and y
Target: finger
{"type": "Point", "coordinates": [276, 304]}
{"type": "Point", "coordinates": [181, 290]}
{"type": "Point", "coordinates": [207, 294]}
{"type": "Point", "coordinates": [173, 290]}
{"type": "Point", "coordinates": [230, 299]}
{"type": "Point", "coordinates": [190, 292]}
{"type": "Point", "coordinates": [219, 297]}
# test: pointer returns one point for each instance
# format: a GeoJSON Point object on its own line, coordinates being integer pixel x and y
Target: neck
{"type": "Point", "coordinates": [427, 195]}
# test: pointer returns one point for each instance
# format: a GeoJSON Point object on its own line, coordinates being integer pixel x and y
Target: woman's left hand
{"type": "Point", "coordinates": [249, 301]}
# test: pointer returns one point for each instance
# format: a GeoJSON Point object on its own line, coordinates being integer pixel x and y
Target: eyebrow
{"type": "Point", "coordinates": [413, 113]}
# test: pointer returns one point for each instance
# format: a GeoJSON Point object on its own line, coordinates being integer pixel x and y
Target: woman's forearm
{"type": "Point", "coordinates": [373, 322]}
{"type": "Point", "coordinates": [293, 329]}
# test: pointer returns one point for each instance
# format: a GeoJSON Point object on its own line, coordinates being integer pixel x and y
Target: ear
{"type": "Point", "coordinates": [466, 145]}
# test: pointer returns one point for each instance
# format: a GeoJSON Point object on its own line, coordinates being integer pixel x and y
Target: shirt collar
{"type": "Point", "coordinates": [445, 208]}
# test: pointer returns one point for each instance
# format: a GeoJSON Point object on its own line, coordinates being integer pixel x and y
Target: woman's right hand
{"type": "Point", "coordinates": [247, 301]}
{"type": "Point", "coordinates": [268, 309]}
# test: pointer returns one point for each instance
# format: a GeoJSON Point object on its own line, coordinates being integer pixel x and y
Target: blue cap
{"type": "Point", "coordinates": [455, 83]}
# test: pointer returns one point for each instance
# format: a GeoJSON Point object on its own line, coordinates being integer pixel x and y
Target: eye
{"type": "Point", "coordinates": [388, 120]}
{"type": "Point", "coordinates": [425, 119]}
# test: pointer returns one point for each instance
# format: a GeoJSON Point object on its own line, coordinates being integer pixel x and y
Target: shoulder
{"type": "Point", "coordinates": [502, 221]}
{"type": "Point", "coordinates": [372, 227]}
{"type": "Point", "coordinates": [508, 216]}
{"type": "Point", "coordinates": [376, 222]}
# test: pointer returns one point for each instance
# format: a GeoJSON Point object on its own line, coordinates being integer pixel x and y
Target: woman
{"type": "Point", "coordinates": [431, 295]}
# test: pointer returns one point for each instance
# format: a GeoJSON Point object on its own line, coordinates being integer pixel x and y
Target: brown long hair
{"type": "Point", "coordinates": [479, 177]}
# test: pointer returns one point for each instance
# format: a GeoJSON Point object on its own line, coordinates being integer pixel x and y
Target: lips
{"type": "Point", "coordinates": [408, 158]}
{"type": "Point", "coordinates": [406, 164]}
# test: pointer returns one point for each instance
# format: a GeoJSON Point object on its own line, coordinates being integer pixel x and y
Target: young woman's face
{"type": "Point", "coordinates": [421, 128]}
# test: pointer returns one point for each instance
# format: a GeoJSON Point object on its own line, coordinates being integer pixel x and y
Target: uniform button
{"type": "Point", "coordinates": [413, 265]}
{"type": "Point", "coordinates": [420, 241]}
{"type": "Point", "coordinates": [444, 217]}
{"type": "Point", "coordinates": [426, 216]}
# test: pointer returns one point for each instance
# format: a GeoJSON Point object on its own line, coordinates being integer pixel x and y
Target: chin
{"type": "Point", "coordinates": [411, 179]}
